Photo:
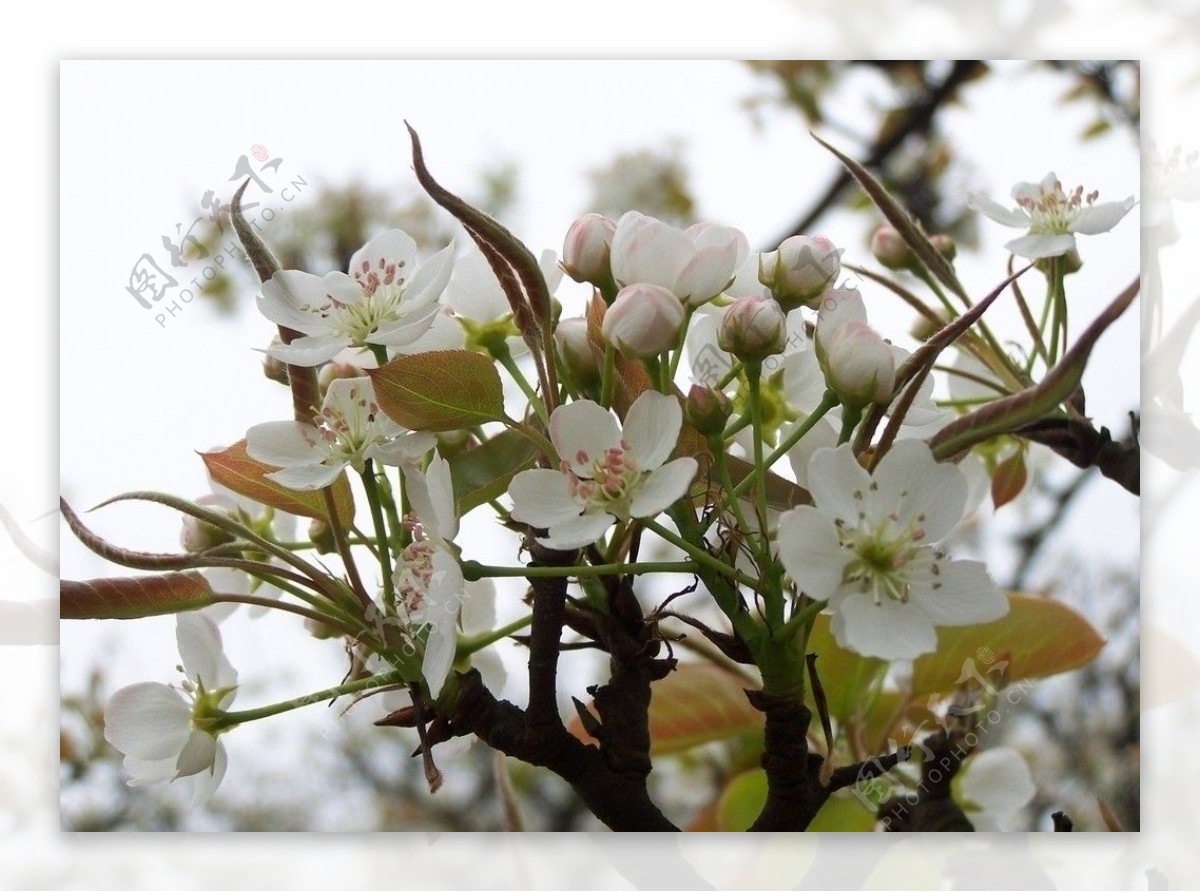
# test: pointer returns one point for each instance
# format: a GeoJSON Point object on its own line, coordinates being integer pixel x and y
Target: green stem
{"type": "Point", "coordinates": [473, 570]}
{"type": "Point", "coordinates": [546, 447]}
{"type": "Point", "coordinates": [468, 646]}
{"type": "Point", "coordinates": [504, 356]}
{"type": "Point", "coordinates": [699, 555]}
{"type": "Point", "coordinates": [276, 604]}
{"type": "Point", "coordinates": [688, 311]}
{"type": "Point", "coordinates": [851, 416]}
{"type": "Point", "coordinates": [225, 720]}
{"type": "Point", "coordinates": [754, 378]}
{"type": "Point", "coordinates": [381, 534]}
{"type": "Point", "coordinates": [608, 376]}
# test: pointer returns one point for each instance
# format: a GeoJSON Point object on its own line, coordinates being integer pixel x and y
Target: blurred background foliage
{"type": "Point", "coordinates": [1080, 730]}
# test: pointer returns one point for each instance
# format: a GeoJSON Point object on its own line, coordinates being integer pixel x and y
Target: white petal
{"type": "Point", "coordinates": [307, 477]}
{"type": "Point", "coordinates": [311, 350]}
{"type": "Point", "coordinates": [918, 489]}
{"type": "Point", "coordinates": [283, 444]}
{"type": "Point", "coordinates": [542, 498]}
{"type": "Point", "coordinates": [838, 307]}
{"type": "Point", "coordinates": [663, 488]}
{"type": "Point", "coordinates": [143, 772]}
{"type": "Point", "coordinates": [444, 334]}
{"type": "Point", "coordinates": [148, 721]}
{"type": "Point", "coordinates": [430, 280]}
{"type": "Point", "coordinates": [966, 594]}
{"type": "Point", "coordinates": [578, 532]}
{"type": "Point", "coordinates": [206, 782]}
{"type": "Point", "coordinates": [405, 448]}
{"type": "Point", "coordinates": [809, 549]}
{"type": "Point", "coordinates": [478, 613]}
{"type": "Point", "coordinates": [432, 497]}
{"type": "Point", "coordinates": [410, 327]}
{"type": "Point", "coordinates": [803, 381]}
{"type": "Point", "coordinates": [1101, 217]}
{"type": "Point", "coordinates": [890, 629]}
{"type": "Point", "coordinates": [198, 754]}
{"type": "Point", "coordinates": [551, 271]}
{"type": "Point", "coordinates": [822, 436]}
{"type": "Point", "coordinates": [647, 250]}
{"type": "Point", "coordinates": [581, 432]}
{"type": "Point", "coordinates": [394, 246]}
{"type": "Point", "coordinates": [491, 668]}
{"type": "Point", "coordinates": [834, 476]}
{"type": "Point", "coordinates": [995, 781]}
{"type": "Point", "coordinates": [706, 274]}
{"type": "Point", "coordinates": [200, 648]}
{"type": "Point", "coordinates": [1007, 216]}
{"type": "Point", "coordinates": [652, 428]}
{"type": "Point", "coordinates": [1037, 246]}
{"type": "Point", "coordinates": [474, 292]}
{"type": "Point", "coordinates": [293, 299]}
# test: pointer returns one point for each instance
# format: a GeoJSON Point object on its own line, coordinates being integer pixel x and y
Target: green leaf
{"type": "Point", "coordinates": [843, 813]}
{"type": "Point", "coordinates": [1038, 637]}
{"type": "Point", "coordinates": [845, 676]}
{"type": "Point", "coordinates": [134, 597]}
{"type": "Point", "coordinates": [742, 801]}
{"type": "Point", "coordinates": [697, 703]}
{"type": "Point", "coordinates": [442, 390]}
{"type": "Point", "coordinates": [234, 469]}
{"type": "Point", "coordinates": [484, 472]}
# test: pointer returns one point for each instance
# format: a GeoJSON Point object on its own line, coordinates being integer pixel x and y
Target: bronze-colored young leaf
{"type": "Point", "coordinates": [695, 704]}
{"type": "Point", "coordinates": [234, 469]}
{"type": "Point", "coordinates": [442, 390]}
{"type": "Point", "coordinates": [134, 597]}
{"type": "Point", "coordinates": [484, 472]}
{"type": "Point", "coordinates": [1038, 637]}
{"type": "Point", "coordinates": [1009, 479]}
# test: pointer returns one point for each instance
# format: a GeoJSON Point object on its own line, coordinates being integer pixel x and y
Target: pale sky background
{"type": "Point", "coordinates": [140, 393]}
{"type": "Point", "coordinates": [1165, 34]}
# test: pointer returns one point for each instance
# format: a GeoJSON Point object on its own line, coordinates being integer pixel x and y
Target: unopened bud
{"type": "Point", "coordinates": [587, 250]}
{"type": "Point", "coordinates": [575, 350]}
{"type": "Point", "coordinates": [707, 409]}
{"type": "Point", "coordinates": [800, 270]}
{"type": "Point", "coordinates": [1073, 263]}
{"type": "Point", "coordinates": [944, 245]}
{"type": "Point", "coordinates": [859, 365]}
{"type": "Point", "coordinates": [452, 443]}
{"type": "Point", "coordinates": [320, 534]}
{"type": "Point", "coordinates": [200, 535]}
{"type": "Point", "coordinates": [273, 368]}
{"type": "Point", "coordinates": [753, 328]}
{"type": "Point", "coordinates": [332, 371]}
{"type": "Point", "coordinates": [891, 250]}
{"type": "Point", "coordinates": [643, 321]}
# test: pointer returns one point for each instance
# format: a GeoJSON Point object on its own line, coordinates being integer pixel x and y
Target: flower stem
{"type": "Point", "coordinates": [699, 555]}
{"type": "Point", "coordinates": [609, 375]}
{"type": "Point", "coordinates": [226, 720]}
{"type": "Point", "coordinates": [504, 356]}
{"type": "Point", "coordinates": [473, 570]}
{"type": "Point", "coordinates": [381, 535]}
{"type": "Point", "coordinates": [754, 378]}
{"type": "Point", "coordinates": [468, 646]}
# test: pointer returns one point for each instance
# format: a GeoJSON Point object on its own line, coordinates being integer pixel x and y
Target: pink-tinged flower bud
{"type": "Point", "coordinates": [575, 350]}
{"type": "Point", "coordinates": [643, 321]}
{"type": "Point", "coordinates": [800, 270]}
{"type": "Point", "coordinates": [753, 328]}
{"type": "Point", "coordinates": [859, 365]}
{"type": "Point", "coordinates": [707, 409]}
{"type": "Point", "coordinates": [891, 250]}
{"type": "Point", "coordinates": [587, 249]}
{"type": "Point", "coordinates": [275, 369]}
{"type": "Point", "coordinates": [332, 371]}
{"type": "Point", "coordinates": [944, 245]}
{"type": "Point", "coordinates": [200, 535]}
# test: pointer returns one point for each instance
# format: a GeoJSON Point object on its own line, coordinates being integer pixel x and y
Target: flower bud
{"type": "Point", "coordinates": [800, 270]}
{"type": "Point", "coordinates": [320, 534]}
{"type": "Point", "coordinates": [587, 249]}
{"type": "Point", "coordinates": [753, 328]}
{"type": "Point", "coordinates": [707, 409]}
{"type": "Point", "coordinates": [643, 321]}
{"type": "Point", "coordinates": [332, 371]}
{"type": "Point", "coordinates": [200, 535]}
{"type": "Point", "coordinates": [944, 245]}
{"type": "Point", "coordinates": [859, 365]}
{"type": "Point", "coordinates": [575, 349]}
{"type": "Point", "coordinates": [1073, 263]}
{"type": "Point", "coordinates": [275, 369]}
{"type": "Point", "coordinates": [891, 250]}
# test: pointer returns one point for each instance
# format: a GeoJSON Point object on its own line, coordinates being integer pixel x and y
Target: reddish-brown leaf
{"type": "Point", "coordinates": [134, 597]}
{"type": "Point", "coordinates": [234, 469]}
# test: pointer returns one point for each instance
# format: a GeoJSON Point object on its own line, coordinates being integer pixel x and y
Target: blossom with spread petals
{"type": "Point", "coordinates": [866, 546]}
{"type": "Point", "coordinates": [695, 264]}
{"type": "Point", "coordinates": [1052, 216]}
{"type": "Point", "coordinates": [161, 731]}
{"type": "Point", "coordinates": [353, 429]}
{"type": "Point", "coordinates": [386, 299]}
{"type": "Point", "coordinates": [607, 473]}
{"type": "Point", "coordinates": [992, 787]}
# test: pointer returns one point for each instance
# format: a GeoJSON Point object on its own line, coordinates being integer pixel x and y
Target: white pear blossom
{"type": "Point", "coordinates": [1052, 216]}
{"type": "Point", "coordinates": [428, 577]}
{"type": "Point", "coordinates": [696, 264]}
{"type": "Point", "coordinates": [161, 729]}
{"type": "Point", "coordinates": [607, 473]}
{"type": "Point", "coordinates": [353, 429]}
{"type": "Point", "coordinates": [483, 310]}
{"type": "Point", "coordinates": [992, 787]}
{"type": "Point", "coordinates": [866, 546]}
{"type": "Point", "coordinates": [387, 299]}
